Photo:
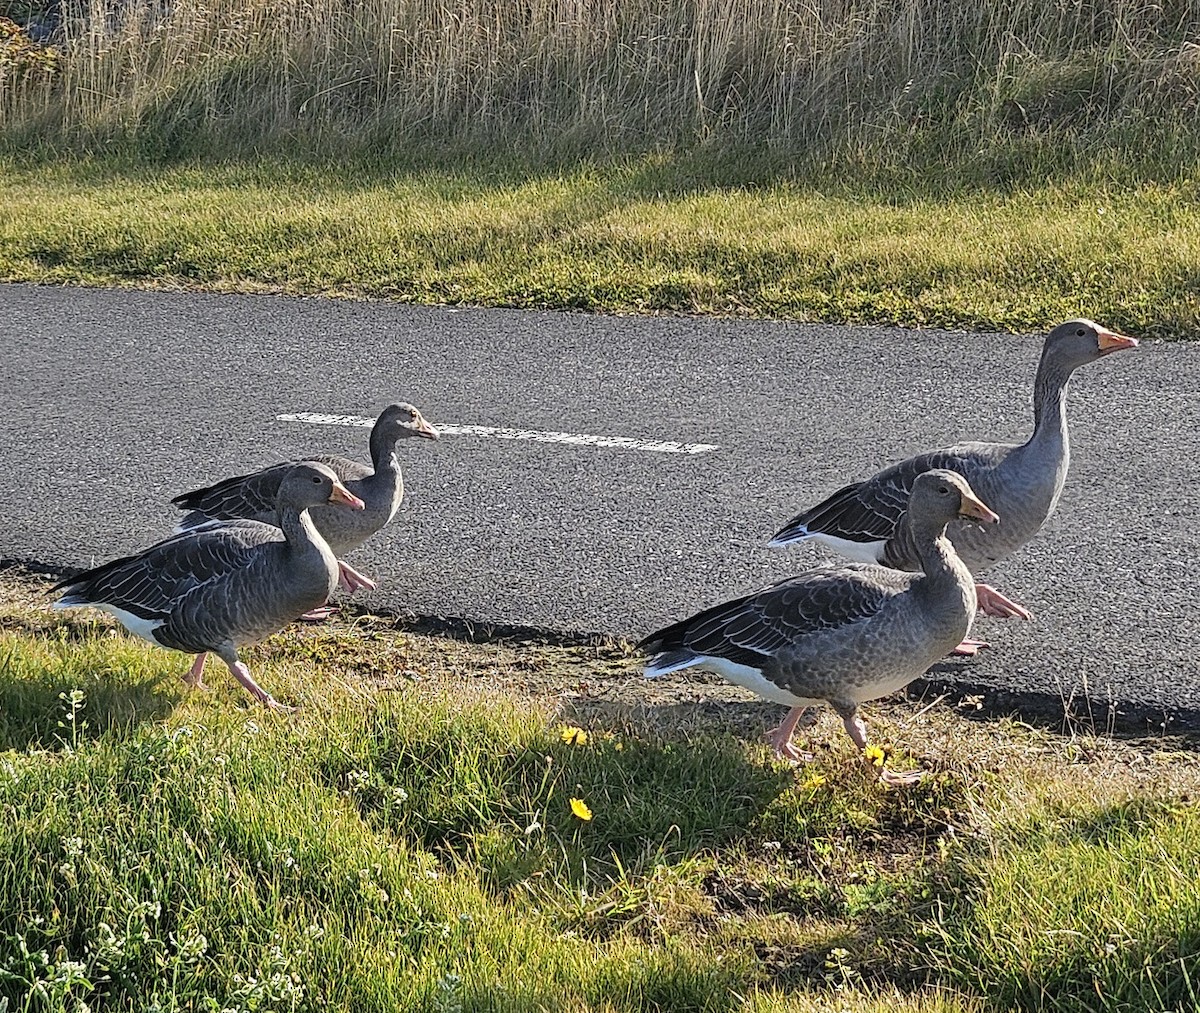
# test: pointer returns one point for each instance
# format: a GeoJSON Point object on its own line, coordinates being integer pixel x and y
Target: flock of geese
{"type": "Point", "coordinates": [255, 552]}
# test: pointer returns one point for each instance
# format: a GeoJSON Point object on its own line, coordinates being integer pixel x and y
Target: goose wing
{"type": "Point", "coordinates": [150, 584]}
{"type": "Point", "coordinates": [752, 629]}
{"type": "Point", "coordinates": [872, 510]}
{"type": "Point", "coordinates": [253, 496]}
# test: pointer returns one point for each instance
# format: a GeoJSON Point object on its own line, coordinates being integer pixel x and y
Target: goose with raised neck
{"type": "Point", "coordinates": [868, 520]}
{"type": "Point", "coordinates": [380, 487]}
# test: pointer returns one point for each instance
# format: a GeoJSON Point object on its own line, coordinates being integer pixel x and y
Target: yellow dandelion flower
{"type": "Point", "coordinates": [580, 808]}
{"type": "Point", "coordinates": [618, 745]}
{"type": "Point", "coordinates": [875, 755]}
{"type": "Point", "coordinates": [574, 736]}
{"type": "Point", "coordinates": [815, 780]}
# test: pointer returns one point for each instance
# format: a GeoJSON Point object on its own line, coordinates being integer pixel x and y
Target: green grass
{"type": "Point", "coordinates": [1004, 164]}
{"type": "Point", "coordinates": [405, 841]}
{"type": "Point", "coordinates": [1106, 897]}
{"type": "Point", "coordinates": [647, 235]}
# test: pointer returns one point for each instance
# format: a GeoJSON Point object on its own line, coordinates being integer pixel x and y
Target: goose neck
{"type": "Point", "coordinates": [383, 451]}
{"type": "Point", "coordinates": [939, 561]}
{"type": "Point", "coordinates": [297, 526]}
{"type": "Point", "coordinates": [1050, 401]}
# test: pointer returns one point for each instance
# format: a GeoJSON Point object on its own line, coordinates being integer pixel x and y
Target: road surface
{"type": "Point", "coordinates": [634, 467]}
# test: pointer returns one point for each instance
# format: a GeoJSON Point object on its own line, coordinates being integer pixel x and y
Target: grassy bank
{"type": "Point", "coordinates": [649, 235]}
{"type": "Point", "coordinates": [407, 840]}
{"type": "Point", "coordinates": [1003, 164]}
{"type": "Point", "coordinates": [931, 81]}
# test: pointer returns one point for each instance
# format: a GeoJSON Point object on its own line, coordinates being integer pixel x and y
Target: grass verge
{"type": "Point", "coordinates": [407, 840]}
{"type": "Point", "coordinates": [643, 236]}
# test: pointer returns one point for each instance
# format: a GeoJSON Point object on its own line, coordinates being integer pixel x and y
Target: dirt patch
{"type": "Point", "coordinates": [599, 681]}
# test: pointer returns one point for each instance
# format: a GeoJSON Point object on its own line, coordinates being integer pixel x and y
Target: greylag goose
{"type": "Point", "coordinates": [840, 633]}
{"type": "Point", "coordinates": [225, 584]}
{"type": "Point", "coordinates": [380, 487]}
{"type": "Point", "coordinates": [868, 520]}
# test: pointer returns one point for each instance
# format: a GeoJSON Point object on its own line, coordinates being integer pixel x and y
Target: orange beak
{"type": "Point", "coordinates": [1111, 341]}
{"type": "Point", "coordinates": [977, 510]}
{"type": "Point", "coordinates": [425, 429]}
{"type": "Point", "coordinates": [343, 495]}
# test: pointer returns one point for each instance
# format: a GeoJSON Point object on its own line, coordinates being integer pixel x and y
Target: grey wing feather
{"type": "Point", "coordinates": [151, 583]}
{"type": "Point", "coordinates": [252, 496]}
{"type": "Point", "coordinates": [872, 510]}
{"type": "Point", "coordinates": [751, 629]}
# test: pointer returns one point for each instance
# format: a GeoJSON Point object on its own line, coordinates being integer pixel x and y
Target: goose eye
{"type": "Point", "coordinates": [316, 480]}
{"type": "Point", "coordinates": [1079, 333]}
{"type": "Point", "coordinates": [943, 490]}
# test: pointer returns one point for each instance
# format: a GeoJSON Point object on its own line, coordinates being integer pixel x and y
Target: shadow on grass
{"type": "Point", "coordinates": [929, 168]}
{"type": "Point", "coordinates": [41, 715]}
{"type": "Point", "coordinates": [474, 793]}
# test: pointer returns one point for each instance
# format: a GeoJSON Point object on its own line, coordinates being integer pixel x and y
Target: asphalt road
{"type": "Point", "coordinates": [116, 400]}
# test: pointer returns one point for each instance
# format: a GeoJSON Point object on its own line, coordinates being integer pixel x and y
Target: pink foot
{"type": "Point", "coordinates": [319, 614]}
{"type": "Point", "coordinates": [352, 580]}
{"type": "Point", "coordinates": [195, 675]}
{"type": "Point", "coordinates": [242, 674]}
{"type": "Point", "coordinates": [780, 739]}
{"type": "Point", "coordinates": [858, 732]}
{"type": "Point", "coordinates": [900, 778]}
{"type": "Point", "coordinates": [969, 648]}
{"type": "Point", "coordinates": [992, 603]}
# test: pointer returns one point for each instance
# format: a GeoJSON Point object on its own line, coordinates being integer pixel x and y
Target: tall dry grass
{"type": "Point", "coordinates": [178, 77]}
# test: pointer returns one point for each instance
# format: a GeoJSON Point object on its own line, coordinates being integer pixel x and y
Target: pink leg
{"type": "Point", "coordinates": [352, 580]}
{"type": "Point", "coordinates": [780, 739]}
{"type": "Point", "coordinates": [992, 603]}
{"type": "Point", "coordinates": [969, 648]}
{"type": "Point", "coordinates": [195, 674]}
{"type": "Point", "coordinates": [858, 732]}
{"type": "Point", "coordinates": [242, 674]}
{"type": "Point", "coordinates": [854, 726]}
{"type": "Point", "coordinates": [899, 778]}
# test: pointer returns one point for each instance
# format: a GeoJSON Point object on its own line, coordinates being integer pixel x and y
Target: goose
{"type": "Point", "coordinates": [842, 633]}
{"type": "Point", "coordinates": [380, 487]}
{"type": "Point", "coordinates": [869, 521]}
{"type": "Point", "coordinates": [225, 584]}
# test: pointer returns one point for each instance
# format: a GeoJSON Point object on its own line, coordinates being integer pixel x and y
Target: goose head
{"type": "Point", "coordinates": [942, 496]}
{"type": "Point", "coordinates": [1078, 342]}
{"type": "Point", "coordinates": [397, 421]}
{"type": "Point", "coordinates": [309, 484]}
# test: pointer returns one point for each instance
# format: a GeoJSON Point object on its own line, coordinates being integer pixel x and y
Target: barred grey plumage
{"type": "Point", "coordinates": [840, 633]}
{"type": "Point", "coordinates": [225, 584]}
{"type": "Point", "coordinates": [869, 521]}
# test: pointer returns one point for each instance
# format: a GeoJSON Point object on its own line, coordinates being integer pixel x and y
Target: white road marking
{"type": "Point", "coordinates": [537, 435]}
